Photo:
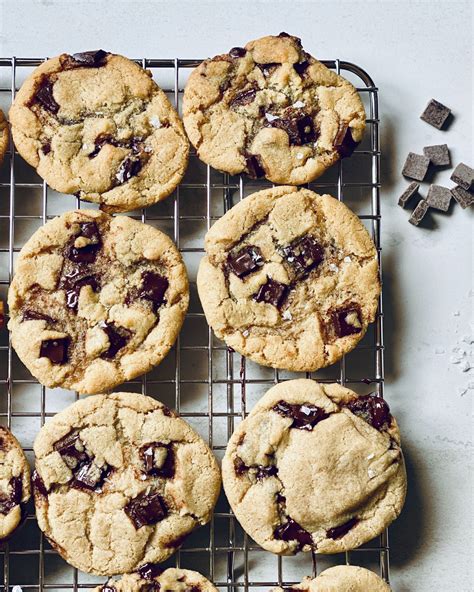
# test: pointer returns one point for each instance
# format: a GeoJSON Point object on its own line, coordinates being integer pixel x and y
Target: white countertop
{"type": "Point", "coordinates": [414, 52]}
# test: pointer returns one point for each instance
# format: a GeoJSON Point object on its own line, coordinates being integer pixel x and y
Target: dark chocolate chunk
{"type": "Point", "coordinates": [118, 338]}
{"type": "Point", "coordinates": [153, 288]}
{"type": "Point", "coordinates": [176, 542]}
{"type": "Point", "coordinates": [305, 416]}
{"type": "Point", "coordinates": [13, 498]}
{"type": "Point", "coordinates": [409, 192]}
{"type": "Point", "coordinates": [373, 409]}
{"type": "Point", "coordinates": [245, 261]}
{"type": "Point", "coordinates": [32, 315]}
{"type": "Point", "coordinates": [89, 476]}
{"type": "Point", "coordinates": [146, 509]}
{"type": "Point", "coordinates": [268, 69]}
{"type": "Point", "coordinates": [237, 52]}
{"type": "Point", "coordinates": [435, 114]}
{"type": "Point", "coordinates": [88, 253]}
{"type": "Point", "coordinates": [72, 283]}
{"type": "Point", "coordinates": [46, 148]}
{"type": "Point", "coordinates": [130, 167]}
{"type": "Point", "coordinates": [292, 531]}
{"type": "Point", "coordinates": [416, 166]}
{"type": "Point", "coordinates": [38, 484]}
{"type": "Point", "coordinates": [148, 456]}
{"type": "Point", "coordinates": [72, 449]}
{"type": "Point", "coordinates": [463, 197]}
{"type": "Point", "coordinates": [347, 321]}
{"type": "Point", "coordinates": [272, 293]}
{"type": "Point", "coordinates": [304, 254]}
{"type": "Point", "coordinates": [344, 142]}
{"type": "Point", "coordinates": [463, 176]}
{"type": "Point", "coordinates": [244, 98]}
{"type": "Point", "coordinates": [438, 154]}
{"type": "Point", "coordinates": [339, 531]}
{"type": "Point", "coordinates": [297, 125]}
{"type": "Point", "coordinates": [55, 350]}
{"type": "Point", "coordinates": [264, 472]}
{"type": "Point", "coordinates": [90, 230]}
{"type": "Point", "coordinates": [301, 67]}
{"type": "Point", "coordinates": [44, 96]}
{"type": "Point", "coordinates": [254, 166]}
{"type": "Point", "coordinates": [90, 59]}
{"type": "Point", "coordinates": [100, 142]}
{"type": "Point", "coordinates": [439, 197]}
{"type": "Point", "coordinates": [149, 571]}
{"type": "Point", "coordinates": [419, 212]}
{"type": "Point", "coordinates": [283, 34]}
{"type": "Point", "coordinates": [261, 472]}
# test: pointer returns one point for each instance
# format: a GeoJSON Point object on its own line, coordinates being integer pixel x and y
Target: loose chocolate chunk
{"type": "Point", "coordinates": [339, 531]}
{"type": "Point", "coordinates": [268, 69]}
{"type": "Point", "coordinates": [463, 176]}
{"type": "Point", "coordinates": [301, 67]}
{"type": "Point", "coordinates": [297, 125]}
{"type": "Point", "coordinates": [244, 98]}
{"type": "Point", "coordinates": [439, 197]}
{"type": "Point", "coordinates": [146, 509]}
{"type": "Point", "coordinates": [90, 59]}
{"type": "Point", "coordinates": [292, 531]}
{"type": "Point", "coordinates": [347, 321]}
{"type": "Point", "coordinates": [55, 350]}
{"type": "Point", "coordinates": [272, 293]}
{"type": "Point", "coordinates": [409, 192]}
{"type": "Point", "coordinates": [33, 315]}
{"type": "Point", "coordinates": [419, 212]}
{"type": "Point", "coordinates": [46, 148]}
{"type": "Point", "coordinates": [373, 409]}
{"type": "Point", "coordinates": [73, 281]}
{"type": "Point", "coordinates": [72, 450]}
{"type": "Point", "coordinates": [148, 454]}
{"type": "Point", "coordinates": [237, 52]}
{"type": "Point", "coordinates": [90, 476]}
{"type": "Point", "coordinates": [344, 142]}
{"type": "Point", "coordinates": [130, 167]}
{"type": "Point", "coordinates": [305, 416]}
{"type": "Point", "coordinates": [118, 338]}
{"type": "Point", "coordinates": [45, 97]}
{"type": "Point", "coordinates": [149, 571]}
{"type": "Point", "coordinates": [245, 261]}
{"type": "Point", "coordinates": [38, 484]}
{"type": "Point", "coordinates": [438, 154]}
{"type": "Point", "coordinates": [304, 254]}
{"type": "Point", "coordinates": [254, 166]}
{"type": "Point", "coordinates": [435, 114]}
{"type": "Point", "coordinates": [463, 197]}
{"type": "Point", "coordinates": [153, 288]}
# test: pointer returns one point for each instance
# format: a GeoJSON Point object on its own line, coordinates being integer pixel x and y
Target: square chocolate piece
{"type": "Point", "coordinates": [463, 175]}
{"type": "Point", "coordinates": [463, 197]}
{"type": "Point", "coordinates": [409, 192]}
{"type": "Point", "coordinates": [438, 154]}
{"type": "Point", "coordinates": [439, 197]}
{"type": "Point", "coordinates": [419, 212]}
{"type": "Point", "coordinates": [416, 166]}
{"type": "Point", "coordinates": [435, 114]}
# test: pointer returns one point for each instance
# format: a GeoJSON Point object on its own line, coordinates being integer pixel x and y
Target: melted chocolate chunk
{"type": "Point", "coordinates": [88, 253]}
{"type": "Point", "coordinates": [344, 142]}
{"type": "Point", "coordinates": [245, 261]}
{"type": "Point", "coordinates": [32, 315]}
{"type": "Point", "coordinates": [135, 144]}
{"type": "Point", "coordinates": [72, 450]}
{"type": "Point", "coordinates": [44, 96]}
{"type": "Point", "coordinates": [272, 293]}
{"type": "Point", "coordinates": [339, 531]}
{"type": "Point", "coordinates": [261, 472]}
{"type": "Point", "coordinates": [283, 34]}
{"type": "Point", "coordinates": [8, 502]}
{"type": "Point", "coordinates": [90, 476]}
{"type": "Point", "coordinates": [90, 59]}
{"type": "Point", "coordinates": [46, 148]}
{"type": "Point", "coordinates": [130, 167]}
{"type": "Point", "coordinates": [268, 69]}
{"type": "Point", "coordinates": [149, 571]}
{"type": "Point", "coordinates": [176, 542]}
{"type": "Point", "coordinates": [297, 125]}
{"type": "Point", "coordinates": [148, 454]}
{"type": "Point", "coordinates": [292, 531]}
{"type": "Point", "coordinates": [372, 409]}
{"type": "Point", "coordinates": [72, 282]}
{"type": "Point", "coordinates": [237, 52]}
{"type": "Point", "coordinates": [254, 166]}
{"type": "Point", "coordinates": [146, 509]}
{"type": "Point", "coordinates": [100, 142]}
{"type": "Point", "coordinates": [305, 416]}
{"type": "Point", "coordinates": [153, 288]}
{"type": "Point", "coordinates": [304, 254]}
{"type": "Point", "coordinates": [244, 98]}
{"type": "Point", "coordinates": [118, 338]}
{"type": "Point", "coordinates": [347, 321]}
{"type": "Point", "coordinates": [301, 67]}
{"type": "Point", "coordinates": [55, 350]}
{"type": "Point", "coordinates": [38, 484]}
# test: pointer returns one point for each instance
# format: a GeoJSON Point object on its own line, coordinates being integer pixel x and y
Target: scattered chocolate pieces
{"type": "Point", "coordinates": [438, 154]}
{"type": "Point", "coordinates": [409, 192]}
{"type": "Point", "coordinates": [416, 166]}
{"type": "Point", "coordinates": [419, 212]}
{"type": "Point", "coordinates": [463, 197]}
{"type": "Point", "coordinates": [435, 114]}
{"type": "Point", "coordinates": [439, 197]}
{"type": "Point", "coordinates": [463, 176]}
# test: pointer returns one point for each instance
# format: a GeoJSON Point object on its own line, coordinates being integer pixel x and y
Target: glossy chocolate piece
{"type": "Point", "coordinates": [72, 449]}
{"type": "Point", "coordinates": [130, 167]}
{"type": "Point", "coordinates": [261, 472]}
{"type": "Point", "coordinates": [292, 531]}
{"type": "Point", "coordinates": [373, 409]}
{"type": "Point", "coordinates": [147, 454]}
{"type": "Point", "coordinates": [272, 293]}
{"type": "Point", "coordinates": [339, 531]}
{"type": "Point", "coordinates": [88, 253]}
{"type": "Point", "coordinates": [149, 571]}
{"type": "Point", "coordinates": [90, 59]}
{"type": "Point", "coordinates": [153, 288]}
{"type": "Point", "coordinates": [301, 67]}
{"type": "Point", "coordinates": [268, 69]}
{"type": "Point", "coordinates": [254, 166]}
{"type": "Point", "coordinates": [297, 125]}
{"type": "Point", "coordinates": [237, 52]}
{"type": "Point", "coordinates": [305, 416]}
{"type": "Point", "coordinates": [118, 338]}
{"type": "Point", "coordinates": [341, 321]}
{"type": "Point", "coordinates": [146, 509]}
{"type": "Point", "coordinates": [245, 261]}
{"type": "Point", "coordinates": [8, 502]}
{"type": "Point", "coordinates": [304, 254]}
{"type": "Point", "coordinates": [244, 98]}
{"type": "Point", "coordinates": [44, 96]}
{"type": "Point", "coordinates": [73, 281]}
{"type": "Point", "coordinates": [90, 476]}
{"type": "Point", "coordinates": [55, 349]}
{"type": "Point", "coordinates": [344, 142]}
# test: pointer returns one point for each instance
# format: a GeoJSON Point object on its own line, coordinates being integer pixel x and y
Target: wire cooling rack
{"type": "Point", "coordinates": [211, 386]}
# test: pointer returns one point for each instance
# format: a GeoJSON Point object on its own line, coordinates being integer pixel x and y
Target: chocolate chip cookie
{"type": "Point", "coordinates": [120, 481]}
{"type": "Point", "coordinates": [271, 110]}
{"type": "Point", "coordinates": [14, 483]}
{"type": "Point", "coordinates": [290, 279]}
{"type": "Point", "coordinates": [151, 578]}
{"type": "Point", "coordinates": [96, 300]}
{"type": "Point", "coordinates": [340, 579]}
{"type": "Point", "coordinates": [315, 467]}
{"type": "Point", "coordinates": [95, 124]}
{"type": "Point", "coordinates": [3, 136]}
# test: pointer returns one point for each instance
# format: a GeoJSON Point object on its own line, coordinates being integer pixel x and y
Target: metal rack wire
{"type": "Point", "coordinates": [207, 383]}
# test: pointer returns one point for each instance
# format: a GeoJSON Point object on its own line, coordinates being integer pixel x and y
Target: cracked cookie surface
{"type": "Point", "coordinates": [95, 124]}
{"type": "Point", "coordinates": [4, 136]}
{"type": "Point", "coordinates": [150, 578]}
{"type": "Point", "coordinates": [96, 300]}
{"type": "Point", "coordinates": [15, 488]}
{"type": "Point", "coordinates": [271, 110]}
{"type": "Point", "coordinates": [342, 578]}
{"type": "Point", "coordinates": [120, 481]}
{"type": "Point", "coordinates": [290, 279]}
{"type": "Point", "coordinates": [315, 467]}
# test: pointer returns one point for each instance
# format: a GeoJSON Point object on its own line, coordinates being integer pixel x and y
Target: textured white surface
{"type": "Point", "coordinates": [414, 51]}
